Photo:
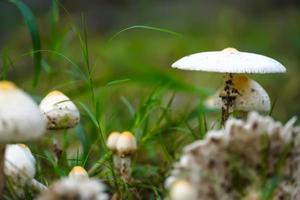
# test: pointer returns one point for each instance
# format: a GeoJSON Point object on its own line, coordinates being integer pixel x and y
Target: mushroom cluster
{"type": "Point", "coordinates": [122, 145]}
{"type": "Point", "coordinates": [20, 120]}
{"type": "Point", "coordinates": [241, 160]}
{"type": "Point", "coordinates": [239, 92]}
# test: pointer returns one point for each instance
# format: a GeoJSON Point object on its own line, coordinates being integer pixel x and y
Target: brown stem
{"type": "Point", "coordinates": [125, 167]}
{"type": "Point", "coordinates": [228, 96]}
{"type": "Point", "coordinates": [2, 176]}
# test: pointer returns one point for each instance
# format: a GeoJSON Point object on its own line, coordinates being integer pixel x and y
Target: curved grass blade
{"type": "Point", "coordinates": [144, 27]}
{"type": "Point", "coordinates": [31, 23]}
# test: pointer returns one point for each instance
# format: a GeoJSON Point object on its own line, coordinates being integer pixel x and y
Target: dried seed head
{"type": "Point", "coordinates": [78, 172]}
{"type": "Point", "coordinates": [112, 141]}
{"type": "Point", "coordinates": [70, 188]}
{"type": "Point", "coordinates": [20, 117]}
{"type": "Point", "coordinates": [213, 165]}
{"type": "Point", "coordinates": [59, 110]}
{"type": "Point", "coordinates": [126, 143]}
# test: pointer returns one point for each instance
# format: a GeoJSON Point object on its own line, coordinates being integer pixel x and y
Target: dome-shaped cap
{"type": "Point", "coordinates": [19, 163]}
{"type": "Point", "coordinates": [126, 143]}
{"type": "Point", "coordinates": [251, 96]}
{"type": "Point", "coordinates": [229, 60]}
{"type": "Point", "coordinates": [20, 117]}
{"type": "Point", "coordinates": [112, 140]}
{"type": "Point", "coordinates": [59, 110]}
{"type": "Point", "coordinates": [78, 172]}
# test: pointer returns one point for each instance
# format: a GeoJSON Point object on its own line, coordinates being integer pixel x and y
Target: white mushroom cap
{"type": "Point", "coordinates": [70, 188]}
{"type": "Point", "coordinates": [20, 117]}
{"type": "Point", "coordinates": [112, 140]}
{"type": "Point", "coordinates": [183, 190]}
{"type": "Point", "coordinates": [59, 110]}
{"type": "Point", "coordinates": [229, 60]}
{"type": "Point", "coordinates": [19, 164]}
{"type": "Point", "coordinates": [126, 143]}
{"type": "Point", "coordinates": [78, 172]}
{"type": "Point", "coordinates": [252, 96]}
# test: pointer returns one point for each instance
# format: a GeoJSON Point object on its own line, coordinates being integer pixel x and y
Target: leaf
{"type": "Point", "coordinates": [31, 23]}
{"type": "Point", "coordinates": [115, 82]}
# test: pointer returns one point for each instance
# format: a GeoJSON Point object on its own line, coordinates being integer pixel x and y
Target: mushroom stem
{"type": "Point", "coordinates": [125, 167]}
{"type": "Point", "coordinates": [38, 186]}
{"type": "Point", "coordinates": [2, 175]}
{"type": "Point", "coordinates": [228, 96]}
{"type": "Point", "coordinates": [117, 161]}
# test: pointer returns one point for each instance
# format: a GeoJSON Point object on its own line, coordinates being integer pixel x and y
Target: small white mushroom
{"type": "Point", "coordinates": [112, 141]}
{"type": "Point", "coordinates": [20, 119]}
{"type": "Point", "coordinates": [251, 96]}
{"type": "Point", "coordinates": [112, 145]}
{"type": "Point", "coordinates": [59, 110]}
{"type": "Point", "coordinates": [79, 173]}
{"type": "Point", "coordinates": [183, 190]}
{"type": "Point", "coordinates": [230, 62]}
{"type": "Point", "coordinates": [19, 167]}
{"type": "Point", "coordinates": [126, 146]}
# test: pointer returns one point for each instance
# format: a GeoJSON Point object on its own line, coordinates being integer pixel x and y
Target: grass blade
{"type": "Point", "coordinates": [144, 27]}
{"type": "Point", "coordinates": [31, 23]}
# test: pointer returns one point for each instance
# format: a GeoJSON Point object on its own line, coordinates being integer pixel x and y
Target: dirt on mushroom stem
{"type": "Point", "coordinates": [228, 96]}
{"type": "Point", "coordinates": [2, 176]}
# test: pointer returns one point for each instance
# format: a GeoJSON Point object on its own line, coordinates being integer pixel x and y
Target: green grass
{"type": "Point", "coordinates": [122, 81]}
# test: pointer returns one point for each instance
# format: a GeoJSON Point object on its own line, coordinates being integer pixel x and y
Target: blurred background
{"type": "Point", "coordinates": [133, 86]}
{"type": "Point", "coordinates": [269, 27]}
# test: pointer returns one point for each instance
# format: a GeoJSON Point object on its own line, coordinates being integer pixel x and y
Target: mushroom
{"type": "Point", "coordinates": [20, 169]}
{"type": "Point", "coordinates": [123, 146]}
{"type": "Point", "coordinates": [79, 173]}
{"type": "Point", "coordinates": [182, 190]}
{"type": "Point", "coordinates": [61, 113]}
{"type": "Point", "coordinates": [20, 120]}
{"type": "Point", "coordinates": [111, 144]}
{"type": "Point", "coordinates": [252, 96]}
{"type": "Point", "coordinates": [232, 62]}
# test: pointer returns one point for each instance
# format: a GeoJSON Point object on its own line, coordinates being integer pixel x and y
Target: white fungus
{"type": "Point", "coordinates": [234, 63]}
{"type": "Point", "coordinates": [229, 60]}
{"type": "Point", "coordinates": [126, 143]}
{"type": "Point", "coordinates": [112, 141]}
{"type": "Point", "coordinates": [59, 110]}
{"type": "Point", "coordinates": [183, 190]}
{"type": "Point", "coordinates": [251, 96]}
{"type": "Point", "coordinates": [20, 117]}
{"type": "Point", "coordinates": [20, 169]}
{"type": "Point", "coordinates": [20, 120]}
{"type": "Point", "coordinates": [78, 172]}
